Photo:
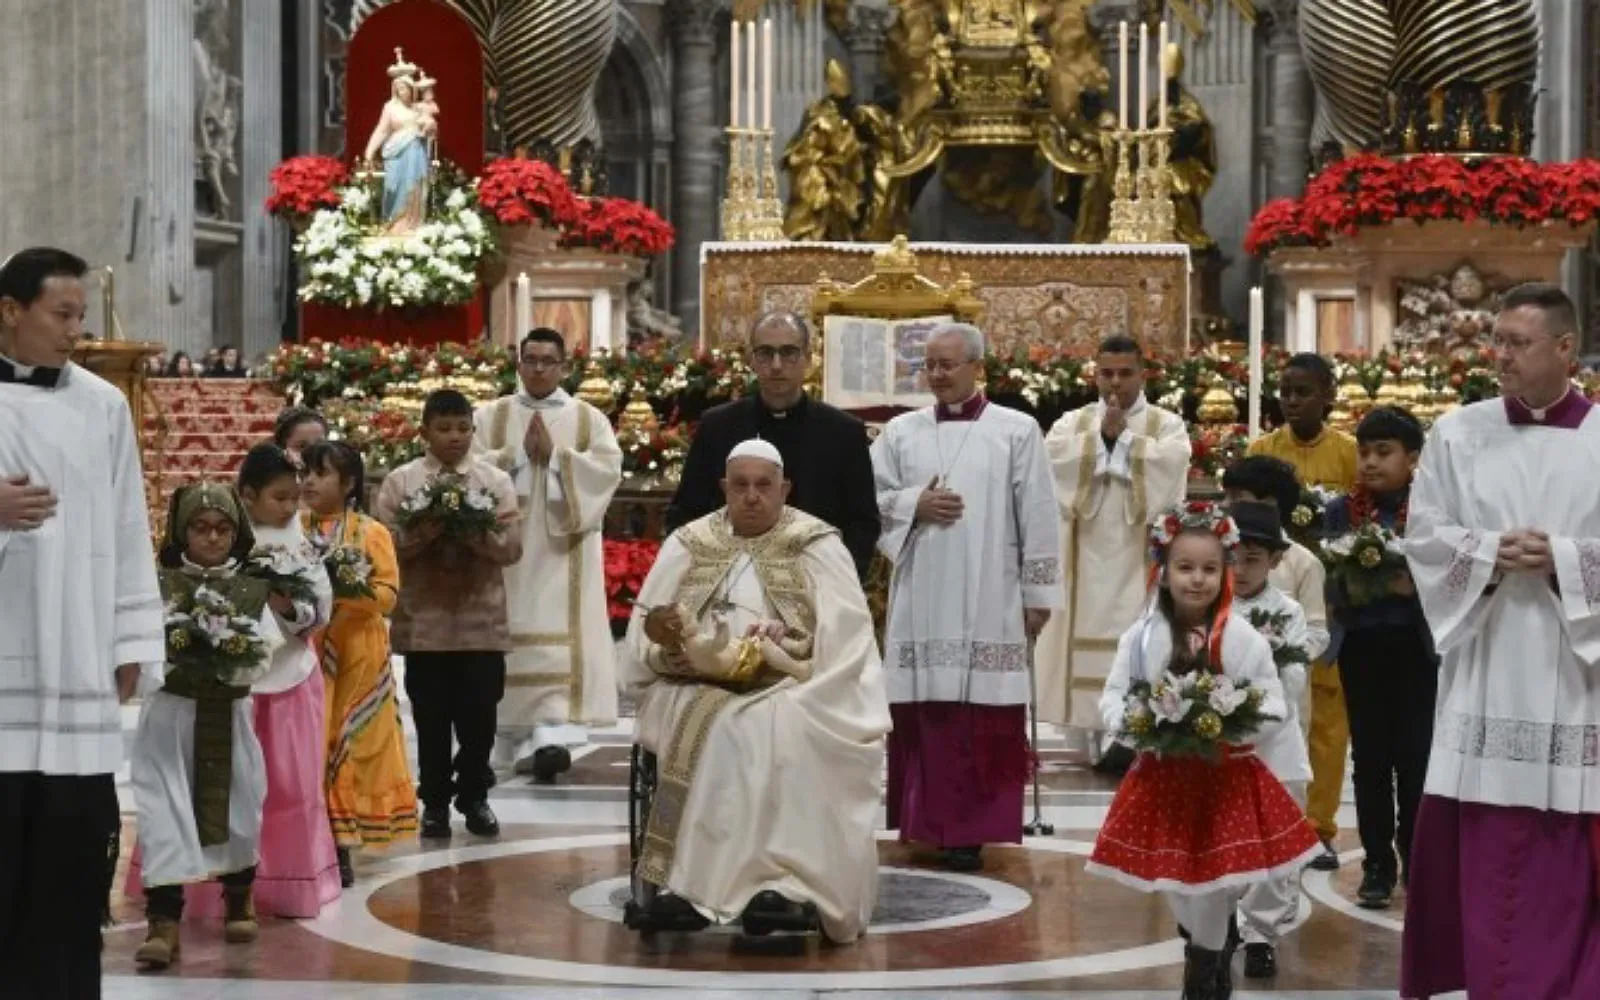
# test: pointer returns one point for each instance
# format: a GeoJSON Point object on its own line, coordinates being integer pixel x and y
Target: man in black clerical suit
{"type": "Point", "coordinates": [825, 451]}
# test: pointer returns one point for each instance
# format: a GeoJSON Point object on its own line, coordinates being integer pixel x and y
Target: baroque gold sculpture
{"type": "Point", "coordinates": [984, 87]}
{"type": "Point", "coordinates": [1193, 163]}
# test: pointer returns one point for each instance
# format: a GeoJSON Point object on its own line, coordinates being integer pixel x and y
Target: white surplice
{"type": "Point", "coordinates": [955, 631]}
{"type": "Point", "coordinates": [78, 595]}
{"type": "Point", "coordinates": [561, 671]}
{"type": "Point", "coordinates": [1517, 708]}
{"type": "Point", "coordinates": [776, 788]}
{"type": "Point", "coordinates": [1107, 498]}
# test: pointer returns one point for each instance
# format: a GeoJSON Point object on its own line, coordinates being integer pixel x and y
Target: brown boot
{"type": "Point", "coordinates": [160, 948]}
{"type": "Point", "coordinates": [239, 926]}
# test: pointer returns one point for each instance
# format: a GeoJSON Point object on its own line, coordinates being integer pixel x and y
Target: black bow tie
{"type": "Point", "coordinates": [46, 378]}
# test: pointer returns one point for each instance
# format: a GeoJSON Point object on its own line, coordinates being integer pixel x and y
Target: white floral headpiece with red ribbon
{"type": "Point", "coordinates": [1195, 515]}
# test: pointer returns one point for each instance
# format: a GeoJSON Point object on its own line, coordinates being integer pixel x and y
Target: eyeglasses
{"type": "Point", "coordinates": [542, 364]}
{"type": "Point", "coordinates": [941, 366]}
{"type": "Point", "coordinates": [214, 530]}
{"type": "Point", "coordinates": [788, 354]}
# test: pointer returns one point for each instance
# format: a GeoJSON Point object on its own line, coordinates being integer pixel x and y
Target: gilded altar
{"type": "Point", "coordinates": [1052, 298]}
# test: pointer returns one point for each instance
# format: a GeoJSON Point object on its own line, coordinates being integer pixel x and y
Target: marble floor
{"type": "Point", "coordinates": [536, 914]}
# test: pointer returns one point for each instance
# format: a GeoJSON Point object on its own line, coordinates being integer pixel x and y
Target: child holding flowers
{"type": "Point", "coordinates": [1269, 906]}
{"type": "Point", "coordinates": [455, 522]}
{"type": "Point", "coordinates": [371, 800]}
{"type": "Point", "coordinates": [1384, 647]}
{"type": "Point", "coordinates": [197, 770]}
{"type": "Point", "coordinates": [1198, 818]}
{"type": "Point", "coordinates": [298, 871]}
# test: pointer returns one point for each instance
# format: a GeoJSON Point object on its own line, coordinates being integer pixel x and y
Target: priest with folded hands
{"type": "Point", "coordinates": [759, 687]}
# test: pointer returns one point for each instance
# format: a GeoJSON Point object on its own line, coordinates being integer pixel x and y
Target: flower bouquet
{"type": "Point", "coordinates": [1191, 716]}
{"type": "Point", "coordinates": [284, 570]}
{"type": "Point", "coordinates": [459, 508]}
{"type": "Point", "coordinates": [1365, 563]}
{"type": "Point", "coordinates": [1305, 521]}
{"type": "Point", "coordinates": [350, 572]}
{"type": "Point", "coordinates": [206, 633]}
{"type": "Point", "coordinates": [1273, 626]}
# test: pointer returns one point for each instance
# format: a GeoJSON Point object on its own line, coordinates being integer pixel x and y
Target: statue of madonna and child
{"type": "Point", "coordinates": [406, 137]}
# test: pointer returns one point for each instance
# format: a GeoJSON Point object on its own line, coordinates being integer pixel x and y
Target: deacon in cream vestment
{"type": "Point", "coordinates": [561, 671]}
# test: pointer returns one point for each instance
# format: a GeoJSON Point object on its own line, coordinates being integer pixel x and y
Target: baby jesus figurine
{"type": "Point", "coordinates": [710, 654]}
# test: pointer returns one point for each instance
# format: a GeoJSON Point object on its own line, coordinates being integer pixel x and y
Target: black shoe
{"type": "Point", "coordinates": [1377, 890]}
{"type": "Point", "coordinates": [549, 762]}
{"type": "Point", "coordinates": [481, 820]}
{"type": "Point", "coordinates": [1202, 975]}
{"type": "Point", "coordinates": [1115, 761]}
{"type": "Point", "coordinates": [964, 859]}
{"type": "Point", "coordinates": [673, 913]}
{"type": "Point", "coordinates": [1225, 961]}
{"type": "Point", "coordinates": [347, 871]}
{"type": "Point", "coordinates": [769, 911]}
{"type": "Point", "coordinates": [1260, 961]}
{"type": "Point", "coordinates": [436, 823]}
{"type": "Point", "coordinates": [1327, 861]}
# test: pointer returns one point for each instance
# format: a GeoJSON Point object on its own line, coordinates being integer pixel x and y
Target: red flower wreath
{"type": "Point", "coordinates": [617, 225]}
{"type": "Point", "coordinates": [519, 192]}
{"type": "Point", "coordinates": [301, 185]}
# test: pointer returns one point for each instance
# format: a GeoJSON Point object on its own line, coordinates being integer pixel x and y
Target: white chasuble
{"type": "Point", "coordinates": [776, 787]}
{"type": "Point", "coordinates": [78, 594]}
{"type": "Point", "coordinates": [955, 630]}
{"type": "Point", "coordinates": [562, 668]}
{"type": "Point", "coordinates": [1107, 497]}
{"type": "Point", "coordinates": [1519, 703]}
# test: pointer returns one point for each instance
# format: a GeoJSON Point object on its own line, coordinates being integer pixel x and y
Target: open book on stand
{"type": "Point", "coordinates": [870, 362]}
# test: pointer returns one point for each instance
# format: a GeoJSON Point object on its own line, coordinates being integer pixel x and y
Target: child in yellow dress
{"type": "Point", "coordinates": [371, 798]}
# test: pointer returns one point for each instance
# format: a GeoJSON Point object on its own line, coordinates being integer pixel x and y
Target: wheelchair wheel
{"type": "Point", "coordinates": [641, 793]}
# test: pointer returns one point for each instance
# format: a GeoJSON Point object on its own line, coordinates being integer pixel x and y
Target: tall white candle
{"type": "Point", "coordinates": [766, 74]}
{"type": "Point", "coordinates": [524, 311]}
{"type": "Point", "coordinates": [1122, 74]}
{"type": "Point", "coordinates": [1161, 67]}
{"type": "Point", "coordinates": [733, 75]}
{"type": "Point", "coordinates": [1144, 75]}
{"type": "Point", "coordinates": [1257, 319]}
{"type": "Point", "coordinates": [750, 70]}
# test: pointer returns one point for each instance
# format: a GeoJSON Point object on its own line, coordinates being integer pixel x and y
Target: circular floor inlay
{"type": "Point", "coordinates": [908, 900]}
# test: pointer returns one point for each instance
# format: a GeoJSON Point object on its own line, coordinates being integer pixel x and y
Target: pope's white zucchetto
{"type": "Point", "coordinates": [756, 448]}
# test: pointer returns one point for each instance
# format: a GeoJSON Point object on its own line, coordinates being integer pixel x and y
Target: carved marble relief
{"type": "Point", "coordinates": [217, 106]}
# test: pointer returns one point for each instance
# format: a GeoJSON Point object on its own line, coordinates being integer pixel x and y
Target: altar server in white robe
{"type": "Point", "coordinates": [768, 760]}
{"type": "Point", "coordinates": [563, 457]}
{"type": "Point", "coordinates": [969, 525]}
{"type": "Point", "coordinates": [1503, 540]}
{"type": "Point", "coordinates": [1115, 463]}
{"type": "Point", "coordinates": [80, 611]}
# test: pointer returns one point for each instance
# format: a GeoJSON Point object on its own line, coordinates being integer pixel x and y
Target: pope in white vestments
{"type": "Point", "coordinates": [1503, 542]}
{"type": "Point", "coordinates": [760, 691]}
{"type": "Point", "coordinates": [969, 525]}
{"type": "Point", "coordinates": [563, 457]}
{"type": "Point", "coordinates": [1116, 463]}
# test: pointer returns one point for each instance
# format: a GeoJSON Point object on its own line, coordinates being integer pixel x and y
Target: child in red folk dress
{"type": "Point", "coordinates": [1205, 819]}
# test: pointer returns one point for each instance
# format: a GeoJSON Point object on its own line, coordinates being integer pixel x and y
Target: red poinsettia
{"type": "Point", "coordinates": [617, 225]}
{"type": "Point", "coordinates": [627, 563]}
{"type": "Point", "coordinates": [1370, 190]}
{"type": "Point", "coordinates": [521, 192]}
{"type": "Point", "coordinates": [302, 184]}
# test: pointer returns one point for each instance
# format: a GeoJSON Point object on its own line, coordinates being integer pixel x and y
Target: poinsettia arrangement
{"type": "Point", "coordinates": [286, 571]}
{"type": "Point", "coordinates": [301, 185]}
{"type": "Point", "coordinates": [1372, 190]}
{"type": "Point", "coordinates": [627, 563]}
{"type": "Point", "coordinates": [618, 225]}
{"type": "Point", "coordinates": [1364, 562]}
{"type": "Point", "coordinates": [520, 192]}
{"type": "Point", "coordinates": [1193, 715]}
{"type": "Point", "coordinates": [462, 510]}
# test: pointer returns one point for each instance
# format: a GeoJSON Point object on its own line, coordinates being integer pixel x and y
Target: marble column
{"type": "Point", "coordinates": [698, 148]}
{"type": "Point", "coordinates": [1290, 106]}
{"type": "Point", "coordinates": [261, 139]}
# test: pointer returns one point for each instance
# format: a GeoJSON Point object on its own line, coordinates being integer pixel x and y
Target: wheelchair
{"type": "Point", "coordinates": [649, 910]}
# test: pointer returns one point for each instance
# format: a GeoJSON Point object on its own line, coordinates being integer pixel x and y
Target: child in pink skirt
{"type": "Point", "coordinates": [1199, 831]}
{"type": "Point", "coordinates": [299, 870]}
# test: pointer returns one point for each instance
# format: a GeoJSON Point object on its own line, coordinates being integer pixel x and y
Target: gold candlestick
{"type": "Point", "coordinates": [736, 201]}
{"type": "Point", "coordinates": [766, 223]}
{"type": "Point", "coordinates": [1161, 219]}
{"type": "Point", "coordinates": [1124, 211]}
